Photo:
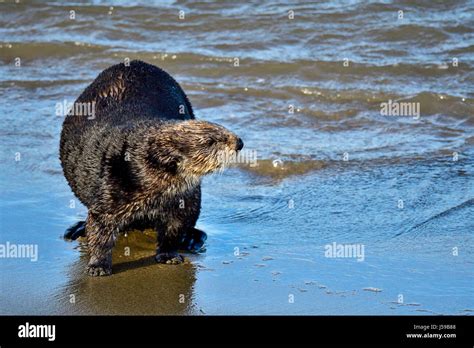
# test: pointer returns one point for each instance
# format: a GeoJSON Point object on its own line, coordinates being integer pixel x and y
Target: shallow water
{"type": "Point", "coordinates": [342, 167]}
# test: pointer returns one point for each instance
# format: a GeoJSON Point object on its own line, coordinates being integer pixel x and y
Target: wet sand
{"type": "Point", "coordinates": [138, 284]}
{"type": "Point", "coordinates": [247, 268]}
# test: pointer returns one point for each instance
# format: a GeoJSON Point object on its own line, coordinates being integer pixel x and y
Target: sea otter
{"type": "Point", "coordinates": [138, 162]}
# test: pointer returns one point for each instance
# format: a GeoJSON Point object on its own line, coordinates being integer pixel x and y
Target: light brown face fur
{"type": "Point", "coordinates": [197, 148]}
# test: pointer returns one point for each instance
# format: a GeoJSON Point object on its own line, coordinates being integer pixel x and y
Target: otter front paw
{"type": "Point", "coordinates": [172, 258]}
{"type": "Point", "coordinates": [99, 270]}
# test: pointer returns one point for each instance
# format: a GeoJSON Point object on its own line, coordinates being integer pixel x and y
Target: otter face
{"type": "Point", "coordinates": [198, 147]}
{"type": "Point", "coordinates": [206, 147]}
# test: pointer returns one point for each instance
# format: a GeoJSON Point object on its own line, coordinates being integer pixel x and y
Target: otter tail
{"type": "Point", "coordinates": [75, 231]}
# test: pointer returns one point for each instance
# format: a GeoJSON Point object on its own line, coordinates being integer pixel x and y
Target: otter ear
{"type": "Point", "coordinates": [167, 161]}
{"type": "Point", "coordinates": [170, 165]}
{"type": "Point", "coordinates": [164, 155]}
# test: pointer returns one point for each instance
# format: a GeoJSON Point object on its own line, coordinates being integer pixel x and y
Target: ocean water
{"type": "Point", "coordinates": [304, 85]}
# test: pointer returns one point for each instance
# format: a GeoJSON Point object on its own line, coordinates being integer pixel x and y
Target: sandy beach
{"type": "Point", "coordinates": [329, 168]}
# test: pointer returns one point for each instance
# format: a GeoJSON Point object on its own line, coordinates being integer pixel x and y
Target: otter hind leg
{"type": "Point", "coordinates": [193, 241]}
{"type": "Point", "coordinates": [100, 241]}
{"type": "Point", "coordinates": [75, 231]}
{"type": "Point", "coordinates": [168, 242]}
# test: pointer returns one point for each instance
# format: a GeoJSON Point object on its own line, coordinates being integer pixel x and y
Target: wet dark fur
{"type": "Point", "coordinates": [138, 163]}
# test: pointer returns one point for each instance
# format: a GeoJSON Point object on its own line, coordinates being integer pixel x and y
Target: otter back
{"type": "Point", "coordinates": [121, 96]}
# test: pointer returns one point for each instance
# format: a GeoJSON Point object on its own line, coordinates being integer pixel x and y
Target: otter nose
{"type": "Point", "coordinates": [240, 144]}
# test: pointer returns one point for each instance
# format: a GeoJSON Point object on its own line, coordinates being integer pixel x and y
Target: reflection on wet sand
{"type": "Point", "coordinates": [138, 284]}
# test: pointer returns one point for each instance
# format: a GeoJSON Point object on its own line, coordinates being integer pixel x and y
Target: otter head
{"type": "Point", "coordinates": [194, 148]}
